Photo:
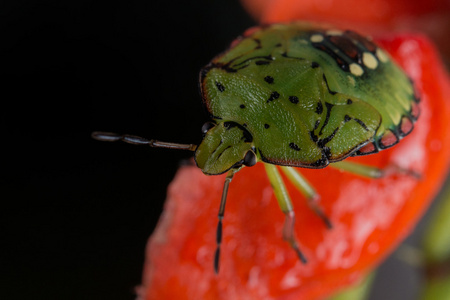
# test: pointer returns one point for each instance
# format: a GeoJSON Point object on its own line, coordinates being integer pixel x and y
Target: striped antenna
{"type": "Point", "coordinates": [137, 140]}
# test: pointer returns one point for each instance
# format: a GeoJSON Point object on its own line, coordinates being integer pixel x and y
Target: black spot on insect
{"type": "Point", "coordinates": [294, 146]}
{"type": "Point", "coordinates": [329, 106]}
{"type": "Point", "coordinates": [347, 118]}
{"type": "Point", "coordinates": [314, 65]}
{"type": "Point", "coordinates": [226, 67]}
{"type": "Point", "coordinates": [268, 79]}
{"type": "Point", "coordinates": [322, 162]}
{"type": "Point", "coordinates": [266, 126]}
{"type": "Point", "coordinates": [262, 62]}
{"type": "Point", "coordinates": [242, 106]}
{"type": "Point", "coordinates": [322, 142]}
{"type": "Point", "coordinates": [259, 60]}
{"type": "Point", "coordinates": [284, 54]}
{"type": "Point", "coordinates": [220, 154]}
{"type": "Point", "coordinates": [319, 108]}
{"type": "Point", "coordinates": [248, 138]}
{"type": "Point", "coordinates": [220, 87]}
{"type": "Point", "coordinates": [363, 125]}
{"type": "Point", "coordinates": [278, 45]}
{"type": "Point", "coordinates": [349, 101]}
{"type": "Point", "coordinates": [258, 43]}
{"type": "Point", "coordinates": [313, 136]}
{"type": "Point", "coordinates": [327, 152]}
{"type": "Point", "coordinates": [293, 99]}
{"type": "Point", "coordinates": [326, 82]}
{"type": "Point", "coordinates": [246, 135]}
{"type": "Point", "coordinates": [317, 124]}
{"type": "Point", "coordinates": [273, 96]}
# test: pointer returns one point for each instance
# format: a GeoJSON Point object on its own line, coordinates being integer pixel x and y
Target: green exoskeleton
{"type": "Point", "coordinates": [297, 95]}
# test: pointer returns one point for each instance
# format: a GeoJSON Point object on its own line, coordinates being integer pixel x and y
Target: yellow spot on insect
{"type": "Point", "coordinates": [334, 32]}
{"type": "Point", "coordinates": [382, 55]}
{"type": "Point", "coordinates": [369, 60]}
{"type": "Point", "coordinates": [316, 38]}
{"type": "Point", "coordinates": [356, 69]}
{"type": "Point", "coordinates": [351, 79]}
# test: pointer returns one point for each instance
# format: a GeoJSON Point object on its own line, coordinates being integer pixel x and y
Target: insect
{"type": "Point", "coordinates": [296, 95]}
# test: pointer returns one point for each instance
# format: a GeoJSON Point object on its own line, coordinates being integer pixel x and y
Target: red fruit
{"type": "Point", "coordinates": [370, 217]}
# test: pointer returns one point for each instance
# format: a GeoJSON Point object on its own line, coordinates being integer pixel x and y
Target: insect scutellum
{"type": "Point", "coordinates": [297, 95]}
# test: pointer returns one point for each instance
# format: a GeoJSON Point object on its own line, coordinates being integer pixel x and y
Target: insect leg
{"type": "Point", "coordinates": [221, 214]}
{"type": "Point", "coordinates": [308, 191]}
{"type": "Point", "coordinates": [370, 171]}
{"type": "Point", "coordinates": [137, 140]}
{"type": "Point", "coordinates": [285, 203]}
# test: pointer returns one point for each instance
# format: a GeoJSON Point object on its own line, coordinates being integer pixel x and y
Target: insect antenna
{"type": "Point", "coordinates": [220, 217]}
{"type": "Point", "coordinates": [137, 140]}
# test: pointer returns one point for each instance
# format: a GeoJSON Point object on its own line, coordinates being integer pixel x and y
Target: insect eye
{"type": "Point", "coordinates": [250, 158]}
{"type": "Point", "coordinates": [207, 126]}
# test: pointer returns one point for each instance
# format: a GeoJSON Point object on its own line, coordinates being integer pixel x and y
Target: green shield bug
{"type": "Point", "coordinates": [296, 95]}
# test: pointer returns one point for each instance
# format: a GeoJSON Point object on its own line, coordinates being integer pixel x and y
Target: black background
{"type": "Point", "coordinates": [76, 213]}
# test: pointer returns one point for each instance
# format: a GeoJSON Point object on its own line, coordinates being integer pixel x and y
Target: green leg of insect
{"type": "Point", "coordinates": [308, 191]}
{"type": "Point", "coordinates": [220, 215]}
{"type": "Point", "coordinates": [285, 203]}
{"type": "Point", "coordinates": [370, 171]}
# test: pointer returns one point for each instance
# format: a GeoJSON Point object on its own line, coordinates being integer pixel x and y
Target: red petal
{"type": "Point", "coordinates": [370, 217]}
